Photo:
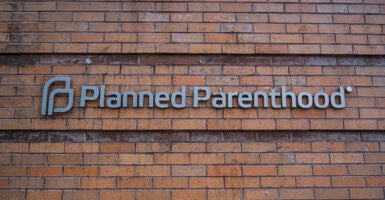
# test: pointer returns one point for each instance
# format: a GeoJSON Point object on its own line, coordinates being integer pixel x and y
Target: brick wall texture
{"type": "Point", "coordinates": [193, 153]}
{"type": "Point", "coordinates": [199, 26]}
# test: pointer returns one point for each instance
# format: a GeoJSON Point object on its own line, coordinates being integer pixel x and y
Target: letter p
{"type": "Point", "coordinates": [47, 105]}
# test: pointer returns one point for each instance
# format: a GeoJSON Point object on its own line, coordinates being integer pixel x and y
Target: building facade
{"type": "Point", "coordinates": [249, 99]}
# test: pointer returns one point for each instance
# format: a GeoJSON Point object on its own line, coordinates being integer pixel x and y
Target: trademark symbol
{"type": "Point", "coordinates": [349, 89]}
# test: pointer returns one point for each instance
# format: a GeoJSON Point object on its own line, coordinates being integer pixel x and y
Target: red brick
{"type": "Point", "coordinates": [296, 193]}
{"type": "Point", "coordinates": [306, 158]}
{"type": "Point", "coordinates": [219, 17]}
{"type": "Point", "coordinates": [13, 171]}
{"type": "Point", "coordinates": [259, 170]}
{"type": "Point", "coordinates": [14, 147]}
{"type": "Point", "coordinates": [156, 194]}
{"type": "Point", "coordinates": [223, 171]}
{"type": "Point", "coordinates": [375, 181]}
{"type": "Point", "coordinates": [260, 194]}
{"type": "Point", "coordinates": [82, 148]}
{"type": "Point", "coordinates": [44, 195]}
{"type": "Point", "coordinates": [259, 147]}
{"type": "Point", "coordinates": [155, 170]}
{"type": "Point", "coordinates": [188, 194]}
{"type": "Point", "coordinates": [188, 147]}
{"type": "Point", "coordinates": [316, 181]}
{"type": "Point", "coordinates": [328, 146]}
{"type": "Point", "coordinates": [205, 48]}
{"type": "Point", "coordinates": [293, 147]}
{"type": "Point", "coordinates": [173, 159]}
{"type": "Point", "coordinates": [64, 159]}
{"type": "Point", "coordinates": [348, 181]}
{"type": "Point", "coordinates": [206, 182]}
{"type": "Point", "coordinates": [62, 183]}
{"type": "Point", "coordinates": [362, 146]}
{"type": "Point", "coordinates": [45, 171]}
{"type": "Point", "coordinates": [296, 170]}
{"type": "Point", "coordinates": [364, 169]}
{"type": "Point", "coordinates": [366, 193]}
{"type": "Point", "coordinates": [134, 183]}
{"type": "Point", "coordinates": [152, 147]}
{"type": "Point", "coordinates": [170, 183]}
{"type": "Point", "coordinates": [277, 158]}
{"type": "Point", "coordinates": [98, 183]}
{"type": "Point", "coordinates": [188, 170]}
{"type": "Point", "coordinates": [329, 170]}
{"type": "Point", "coordinates": [30, 159]}
{"type": "Point", "coordinates": [136, 159]}
{"type": "Point", "coordinates": [47, 147]}
{"type": "Point", "coordinates": [117, 147]}
{"type": "Point", "coordinates": [116, 195]}
{"type": "Point", "coordinates": [80, 171]}
{"type": "Point", "coordinates": [224, 194]}
{"type": "Point", "coordinates": [374, 157]}
{"type": "Point", "coordinates": [360, 124]}
{"type": "Point", "coordinates": [207, 158]}
{"type": "Point", "coordinates": [277, 182]}
{"type": "Point", "coordinates": [78, 195]}
{"type": "Point", "coordinates": [232, 182]}
{"type": "Point", "coordinates": [334, 193]}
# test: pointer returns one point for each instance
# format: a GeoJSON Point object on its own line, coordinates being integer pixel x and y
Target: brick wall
{"type": "Point", "coordinates": [193, 153]}
{"type": "Point", "coordinates": [246, 27]}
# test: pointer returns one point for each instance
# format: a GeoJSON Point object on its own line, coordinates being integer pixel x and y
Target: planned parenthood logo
{"type": "Point", "coordinates": [48, 98]}
{"type": "Point", "coordinates": [276, 98]}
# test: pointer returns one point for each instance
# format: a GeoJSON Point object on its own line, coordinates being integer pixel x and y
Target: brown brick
{"type": "Point", "coordinates": [288, 170]}
{"type": "Point", "coordinates": [277, 182]}
{"type": "Point", "coordinates": [117, 147]}
{"type": "Point", "coordinates": [205, 48]}
{"type": "Point", "coordinates": [259, 147]}
{"type": "Point", "coordinates": [234, 182]}
{"type": "Point", "coordinates": [14, 147]}
{"type": "Point", "coordinates": [191, 170]}
{"type": "Point", "coordinates": [259, 170]}
{"type": "Point", "coordinates": [328, 147]}
{"type": "Point", "coordinates": [188, 147]}
{"type": "Point", "coordinates": [47, 147]}
{"type": "Point", "coordinates": [44, 195]}
{"type": "Point", "coordinates": [30, 159]}
{"type": "Point", "coordinates": [329, 170]}
{"type": "Point", "coordinates": [155, 170]}
{"type": "Point", "coordinates": [362, 146]}
{"type": "Point", "coordinates": [170, 183]}
{"type": "Point", "coordinates": [307, 158]}
{"type": "Point", "coordinates": [88, 16]}
{"type": "Point", "coordinates": [64, 159]}
{"type": "Point", "coordinates": [98, 183]}
{"type": "Point", "coordinates": [136, 159]}
{"type": "Point", "coordinates": [223, 171]}
{"type": "Point", "coordinates": [80, 171]}
{"type": "Point", "coordinates": [242, 158]}
{"type": "Point", "coordinates": [347, 181]}
{"type": "Point", "coordinates": [173, 159]}
{"type": "Point", "coordinates": [224, 194]}
{"type": "Point", "coordinates": [100, 159]}
{"type": "Point", "coordinates": [260, 194]}
{"type": "Point", "coordinates": [224, 147]}
{"type": "Point", "coordinates": [188, 194]}
{"type": "Point", "coordinates": [293, 147]}
{"type": "Point", "coordinates": [78, 195]}
{"type": "Point", "coordinates": [206, 182]}
{"type": "Point", "coordinates": [12, 171]}
{"type": "Point", "coordinates": [284, 18]}
{"type": "Point", "coordinates": [62, 183]}
{"type": "Point", "coordinates": [116, 171]}
{"type": "Point", "coordinates": [364, 169]}
{"type": "Point", "coordinates": [156, 194]}
{"type": "Point", "coordinates": [33, 183]}
{"type": "Point", "coordinates": [219, 17]}
{"type": "Point", "coordinates": [283, 124]}
{"type": "Point", "coordinates": [45, 171]}
{"type": "Point", "coordinates": [360, 124]}
{"type": "Point", "coordinates": [82, 148]}
{"type": "Point", "coordinates": [134, 182]}
{"type": "Point", "coordinates": [116, 195]}
{"type": "Point", "coordinates": [14, 195]}
{"type": "Point", "coordinates": [296, 193]}
{"type": "Point", "coordinates": [207, 158]}
{"type": "Point", "coordinates": [375, 181]}
{"type": "Point", "coordinates": [286, 38]}
{"type": "Point", "coordinates": [277, 158]}
{"type": "Point", "coordinates": [152, 147]}
{"type": "Point", "coordinates": [366, 193]}
{"type": "Point", "coordinates": [374, 157]}
{"type": "Point", "coordinates": [181, 124]}
{"type": "Point", "coordinates": [317, 181]}
{"type": "Point", "coordinates": [334, 193]}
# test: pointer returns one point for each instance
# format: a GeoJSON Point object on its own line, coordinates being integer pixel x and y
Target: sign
{"type": "Point", "coordinates": [177, 99]}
